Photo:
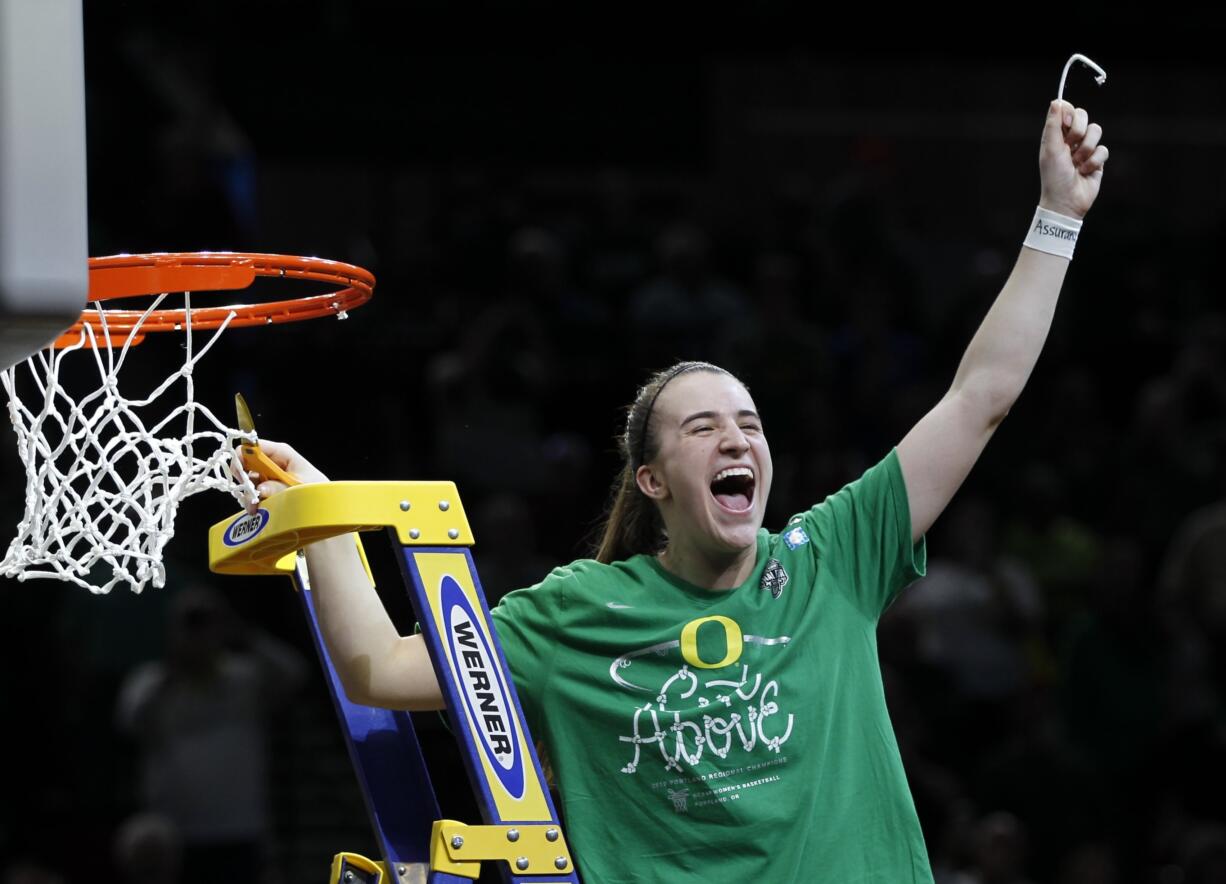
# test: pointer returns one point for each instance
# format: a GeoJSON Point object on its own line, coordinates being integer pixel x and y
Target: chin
{"type": "Point", "coordinates": [736, 538]}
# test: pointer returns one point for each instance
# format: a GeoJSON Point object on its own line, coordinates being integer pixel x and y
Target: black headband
{"type": "Point", "coordinates": [680, 369]}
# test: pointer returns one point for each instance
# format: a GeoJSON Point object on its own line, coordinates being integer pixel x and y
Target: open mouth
{"type": "Point", "coordinates": [733, 488]}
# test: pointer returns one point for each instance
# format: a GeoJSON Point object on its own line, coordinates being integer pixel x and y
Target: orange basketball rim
{"type": "Point", "coordinates": [122, 276]}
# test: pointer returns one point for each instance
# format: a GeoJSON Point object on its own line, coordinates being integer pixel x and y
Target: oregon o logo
{"type": "Point", "coordinates": [689, 642]}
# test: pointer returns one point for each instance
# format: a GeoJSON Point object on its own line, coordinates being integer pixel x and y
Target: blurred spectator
{"type": "Point", "coordinates": [976, 618]}
{"type": "Point", "coordinates": [578, 325]}
{"type": "Point", "coordinates": [203, 180]}
{"type": "Point", "coordinates": [1193, 594]}
{"type": "Point", "coordinates": [1091, 863]}
{"type": "Point", "coordinates": [1060, 550]}
{"type": "Point", "coordinates": [1178, 432]}
{"type": "Point", "coordinates": [1112, 666]}
{"type": "Point", "coordinates": [30, 872]}
{"type": "Point", "coordinates": [1000, 850]}
{"type": "Point", "coordinates": [148, 850]}
{"type": "Point", "coordinates": [618, 257]}
{"type": "Point", "coordinates": [1202, 856]}
{"type": "Point", "coordinates": [1076, 431]}
{"type": "Point", "coordinates": [688, 311]}
{"type": "Point", "coordinates": [777, 347]}
{"type": "Point", "coordinates": [1031, 769]}
{"type": "Point", "coordinates": [200, 718]}
{"type": "Point", "coordinates": [1192, 584]}
{"type": "Point", "coordinates": [508, 557]}
{"type": "Point", "coordinates": [952, 848]}
{"type": "Point", "coordinates": [877, 359]}
{"type": "Point", "coordinates": [539, 274]}
{"type": "Point", "coordinates": [487, 396]}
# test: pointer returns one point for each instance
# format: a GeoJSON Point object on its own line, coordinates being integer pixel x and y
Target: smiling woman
{"type": "Point", "coordinates": [718, 679]}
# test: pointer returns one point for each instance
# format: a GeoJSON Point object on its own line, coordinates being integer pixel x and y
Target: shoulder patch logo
{"type": "Point", "coordinates": [795, 537]}
{"type": "Point", "coordinates": [774, 578]}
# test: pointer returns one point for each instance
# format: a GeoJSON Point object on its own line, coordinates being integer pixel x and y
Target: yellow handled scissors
{"type": "Point", "coordinates": [255, 460]}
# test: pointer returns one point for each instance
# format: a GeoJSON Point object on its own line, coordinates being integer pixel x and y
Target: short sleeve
{"type": "Point", "coordinates": [862, 537]}
{"type": "Point", "coordinates": [526, 623]}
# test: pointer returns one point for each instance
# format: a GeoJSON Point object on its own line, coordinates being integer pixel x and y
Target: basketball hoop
{"type": "Point", "coordinates": [119, 276]}
{"type": "Point", "coordinates": [102, 487]}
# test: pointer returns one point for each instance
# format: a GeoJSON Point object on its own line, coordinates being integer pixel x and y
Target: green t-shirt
{"type": "Point", "coordinates": [729, 735]}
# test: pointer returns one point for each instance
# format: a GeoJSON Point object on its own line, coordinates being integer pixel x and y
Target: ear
{"type": "Point", "coordinates": [650, 482]}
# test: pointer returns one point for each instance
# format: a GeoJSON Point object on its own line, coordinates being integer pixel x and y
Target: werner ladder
{"type": "Point", "coordinates": [426, 519]}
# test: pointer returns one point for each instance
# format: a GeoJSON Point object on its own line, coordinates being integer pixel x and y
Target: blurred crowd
{"type": "Point", "coordinates": [1058, 680]}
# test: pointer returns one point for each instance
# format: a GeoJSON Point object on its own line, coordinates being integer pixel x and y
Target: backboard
{"type": "Point", "coordinates": [43, 231]}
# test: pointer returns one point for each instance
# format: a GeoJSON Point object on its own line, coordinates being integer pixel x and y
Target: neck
{"type": "Point", "coordinates": [713, 573]}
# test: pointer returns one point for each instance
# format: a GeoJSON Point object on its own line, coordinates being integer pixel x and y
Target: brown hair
{"type": "Point", "coordinates": [632, 522]}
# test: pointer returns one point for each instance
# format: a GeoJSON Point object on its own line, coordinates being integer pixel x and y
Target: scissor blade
{"type": "Point", "coordinates": [245, 423]}
{"type": "Point", "coordinates": [255, 460]}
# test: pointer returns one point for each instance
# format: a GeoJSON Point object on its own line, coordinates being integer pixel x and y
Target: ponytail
{"type": "Point", "coordinates": [632, 524]}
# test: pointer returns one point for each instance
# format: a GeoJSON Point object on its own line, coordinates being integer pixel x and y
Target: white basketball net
{"type": "Point", "coordinates": [102, 488]}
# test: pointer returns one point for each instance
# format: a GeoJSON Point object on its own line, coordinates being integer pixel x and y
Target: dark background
{"type": "Point", "coordinates": [555, 206]}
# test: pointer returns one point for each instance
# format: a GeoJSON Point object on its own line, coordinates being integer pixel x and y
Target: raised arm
{"type": "Point", "coordinates": [939, 451]}
{"type": "Point", "coordinates": [376, 664]}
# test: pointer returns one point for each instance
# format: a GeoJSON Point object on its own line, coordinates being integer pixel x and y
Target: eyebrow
{"type": "Point", "coordinates": [711, 415]}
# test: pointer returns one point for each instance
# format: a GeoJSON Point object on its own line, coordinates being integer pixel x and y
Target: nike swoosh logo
{"type": "Point", "coordinates": [616, 606]}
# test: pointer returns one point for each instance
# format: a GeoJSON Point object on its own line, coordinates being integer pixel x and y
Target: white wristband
{"type": "Point", "coordinates": [1053, 233]}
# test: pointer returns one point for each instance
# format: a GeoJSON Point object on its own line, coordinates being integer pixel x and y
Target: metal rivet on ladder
{"type": "Point", "coordinates": [457, 842]}
{"type": "Point", "coordinates": [551, 834]}
{"type": "Point", "coordinates": [560, 862]}
{"type": "Point", "coordinates": [405, 506]}
{"type": "Point", "coordinates": [444, 505]}
{"type": "Point", "coordinates": [521, 863]}
{"type": "Point", "coordinates": [348, 876]}
{"type": "Point", "coordinates": [414, 533]}
{"type": "Point", "coordinates": [512, 834]}
{"type": "Point", "coordinates": [401, 870]}
{"type": "Point", "coordinates": [453, 533]}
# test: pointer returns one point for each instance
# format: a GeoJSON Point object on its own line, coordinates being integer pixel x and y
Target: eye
{"type": "Point", "coordinates": [751, 428]}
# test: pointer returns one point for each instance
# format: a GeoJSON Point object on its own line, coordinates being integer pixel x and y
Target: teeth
{"type": "Point", "coordinates": [733, 471]}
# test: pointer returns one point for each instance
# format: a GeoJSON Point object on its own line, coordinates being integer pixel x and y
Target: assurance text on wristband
{"type": "Point", "coordinates": [1053, 233]}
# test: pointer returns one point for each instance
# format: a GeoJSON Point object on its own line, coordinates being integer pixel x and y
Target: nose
{"type": "Point", "coordinates": [734, 440]}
